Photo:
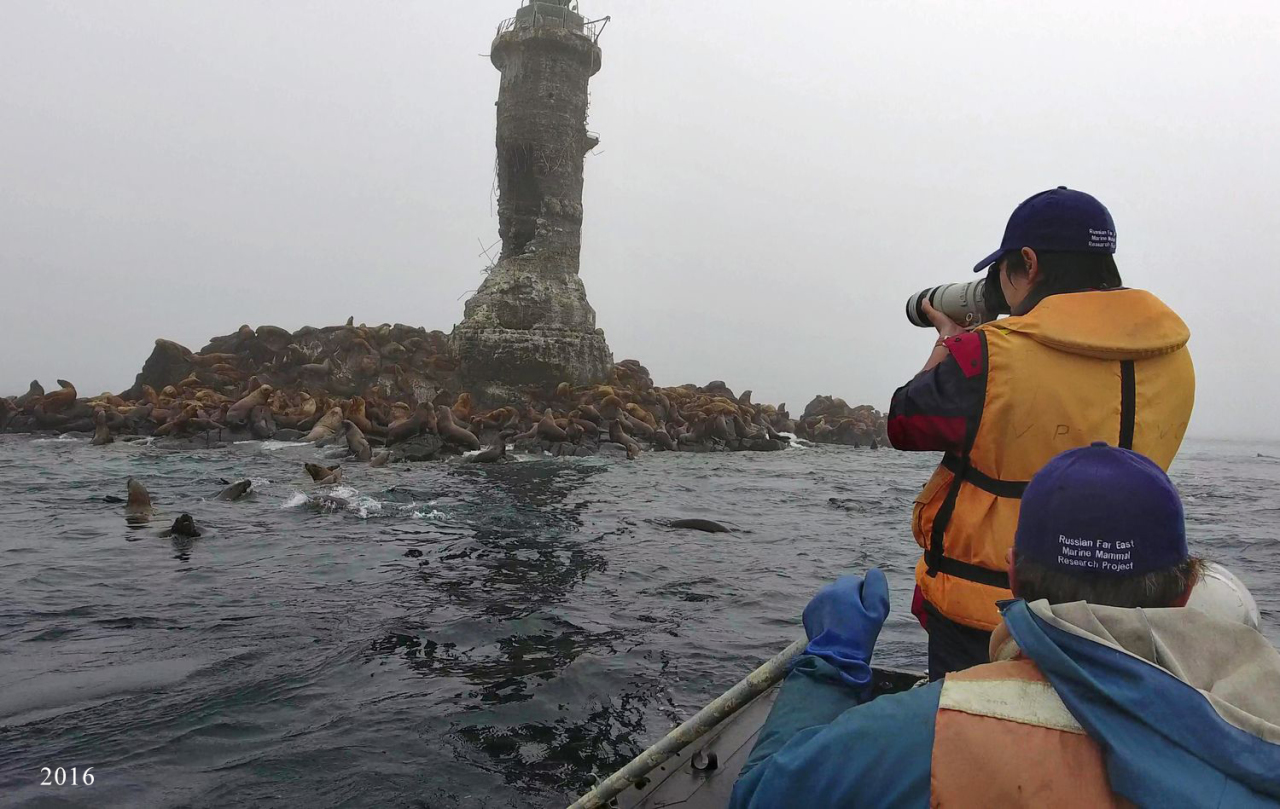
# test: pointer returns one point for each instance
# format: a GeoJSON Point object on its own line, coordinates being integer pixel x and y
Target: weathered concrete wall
{"type": "Point", "coordinates": [530, 322]}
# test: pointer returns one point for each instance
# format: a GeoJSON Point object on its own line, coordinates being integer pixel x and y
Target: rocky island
{"type": "Point", "coordinates": [527, 365]}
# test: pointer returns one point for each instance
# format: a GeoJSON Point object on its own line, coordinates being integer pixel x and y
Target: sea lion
{"type": "Point", "coordinates": [610, 407]}
{"type": "Point", "coordinates": [380, 459]}
{"type": "Point", "coordinates": [356, 415]}
{"type": "Point", "coordinates": [60, 399]}
{"type": "Point", "coordinates": [548, 430]}
{"type": "Point", "coordinates": [236, 490]}
{"type": "Point", "coordinates": [179, 422]}
{"type": "Point", "coordinates": [421, 420]}
{"type": "Point", "coordinates": [619, 436]}
{"type": "Point", "coordinates": [491, 454]}
{"type": "Point", "coordinates": [636, 426]}
{"type": "Point", "coordinates": [33, 395]}
{"type": "Point", "coordinates": [101, 433]}
{"type": "Point", "coordinates": [720, 428]}
{"type": "Point", "coordinates": [294, 416]}
{"type": "Point", "coordinates": [139, 502]}
{"type": "Point", "coordinates": [698, 524]}
{"type": "Point", "coordinates": [262, 423]}
{"type": "Point", "coordinates": [356, 442]}
{"type": "Point", "coordinates": [240, 411]}
{"type": "Point", "coordinates": [451, 432]}
{"type": "Point", "coordinates": [7, 412]}
{"type": "Point", "coordinates": [573, 431]}
{"type": "Point", "coordinates": [744, 430]}
{"type": "Point", "coordinates": [184, 526]}
{"type": "Point", "coordinates": [640, 414]}
{"type": "Point", "coordinates": [663, 439]}
{"type": "Point", "coordinates": [323, 474]}
{"type": "Point", "coordinates": [327, 426]}
{"type": "Point", "coordinates": [393, 351]}
{"type": "Point", "coordinates": [462, 408]}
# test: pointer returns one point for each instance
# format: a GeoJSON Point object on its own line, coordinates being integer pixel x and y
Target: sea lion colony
{"type": "Point", "coordinates": [389, 393]}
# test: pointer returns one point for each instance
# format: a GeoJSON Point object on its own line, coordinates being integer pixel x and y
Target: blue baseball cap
{"type": "Point", "coordinates": [1058, 219]}
{"type": "Point", "coordinates": [1101, 511]}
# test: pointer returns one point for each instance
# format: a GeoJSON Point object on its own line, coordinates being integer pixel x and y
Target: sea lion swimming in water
{"type": "Point", "coordinates": [451, 432]}
{"type": "Point", "coordinates": [327, 426]}
{"type": "Point", "coordinates": [322, 474]}
{"type": "Point", "coordinates": [698, 524]}
{"type": "Point", "coordinates": [236, 490]}
{"type": "Point", "coordinates": [184, 526]}
{"type": "Point", "coordinates": [101, 433]}
{"type": "Point", "coordinates": [357, 443]}
{"type": "Point", "coordinates": [138, 507]}
{"type": "Point", "coordinates": [380, 459]}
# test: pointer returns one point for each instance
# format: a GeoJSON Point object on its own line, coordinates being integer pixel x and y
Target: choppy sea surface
{"type": "Point", "coordinates": [457, 635]}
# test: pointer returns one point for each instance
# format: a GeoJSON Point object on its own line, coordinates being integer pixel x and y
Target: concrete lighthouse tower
{"type": "Point", "coordinates": [529, 324]}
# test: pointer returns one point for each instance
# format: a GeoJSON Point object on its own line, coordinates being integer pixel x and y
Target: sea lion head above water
{"type": "Point", "coordinates": [101, 433]}
{"type": "Point", "coordinates": [139, 502]}
{"type": "Point", "coordinates": [236, 490]}
{"type": "Point", "coordinates": [321, 474]}
{"type": "Point", "coordinates": [184, 526]}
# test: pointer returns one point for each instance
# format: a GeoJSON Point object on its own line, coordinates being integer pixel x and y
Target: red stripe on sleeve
{"type": "Point", "coordinates": [923, 432]}
{"type": "Point", "coordinates": [967, 350]}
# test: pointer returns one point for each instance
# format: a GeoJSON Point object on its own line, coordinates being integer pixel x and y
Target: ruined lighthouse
{"type": "Point", "coordinates": [529, 324]}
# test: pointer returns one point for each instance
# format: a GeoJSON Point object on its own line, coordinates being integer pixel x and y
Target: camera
{"type": "Point", "coordinates": [969, 304]}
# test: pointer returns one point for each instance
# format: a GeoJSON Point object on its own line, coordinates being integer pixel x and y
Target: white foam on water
{"type": "Point", "coordinates": [433, 514]}
{"type": "Point", "coordinates": [360, 505]}
{"type": "Point", "coordinates": [65, 438]}
{"type": "Point", "coordinates": [297, 499]}
{"type": "Point", "coordinates": [365, 506]}
{"type": "Point", "coordinates": [797, 442]}
{"type": "Point", "coordinates": [272, 446]}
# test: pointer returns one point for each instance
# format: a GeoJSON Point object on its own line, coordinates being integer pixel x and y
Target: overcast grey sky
{"type": "Point", "coordinates": [773, 179]}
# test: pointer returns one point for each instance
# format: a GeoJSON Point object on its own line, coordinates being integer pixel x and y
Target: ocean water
{"type": "Point", "coordinates": [453, 635]}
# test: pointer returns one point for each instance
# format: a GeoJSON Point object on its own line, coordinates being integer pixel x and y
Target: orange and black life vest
{"type": "Point", "coordinates": [1080, 367]}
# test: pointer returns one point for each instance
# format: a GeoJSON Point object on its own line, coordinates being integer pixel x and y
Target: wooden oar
{"type": "Point", "coordinates": [721, 708]}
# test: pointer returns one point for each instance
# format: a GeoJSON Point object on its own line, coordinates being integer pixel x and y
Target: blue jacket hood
{"type": "Point", "coordinates": [1186, 707]}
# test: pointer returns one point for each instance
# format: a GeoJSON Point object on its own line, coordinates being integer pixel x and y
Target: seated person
{"type": "Point", "coordinates": [1102, 691]}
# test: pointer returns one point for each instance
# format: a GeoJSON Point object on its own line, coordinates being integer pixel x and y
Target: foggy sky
{"type": "Point", "coordinates": [773, 180]}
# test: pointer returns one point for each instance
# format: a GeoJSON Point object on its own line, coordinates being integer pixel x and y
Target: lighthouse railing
{"type": "Point", "coordinates": [566, 19]}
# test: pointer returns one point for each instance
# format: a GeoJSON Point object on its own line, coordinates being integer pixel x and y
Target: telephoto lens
{"type": "Point", "coordinates": [969, 304]}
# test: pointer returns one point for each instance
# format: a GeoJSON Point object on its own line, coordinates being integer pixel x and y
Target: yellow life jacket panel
{"type": "Point", "coordinates": [1079, 367]}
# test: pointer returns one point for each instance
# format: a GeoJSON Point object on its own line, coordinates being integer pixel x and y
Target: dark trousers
{"type": "Point", "coordinates": [953, 646]}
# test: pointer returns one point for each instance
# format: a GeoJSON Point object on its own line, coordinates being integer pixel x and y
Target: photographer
{"type": "Point", "coordinates": [1081, 359]}
{"type": "Point", "coordinates": [1103, 690]}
